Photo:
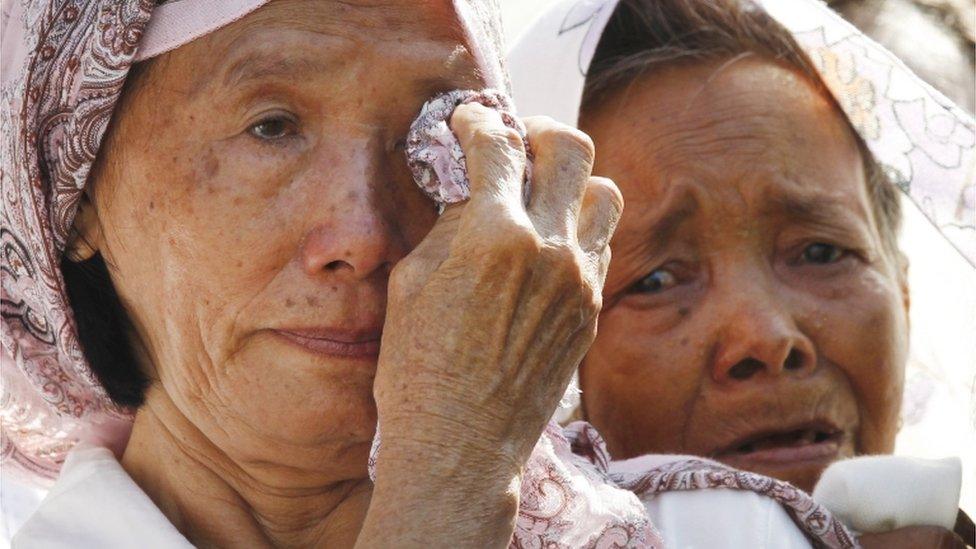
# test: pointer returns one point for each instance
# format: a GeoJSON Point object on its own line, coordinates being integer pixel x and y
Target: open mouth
{"type": "Point", "coordinates": [812, 442]}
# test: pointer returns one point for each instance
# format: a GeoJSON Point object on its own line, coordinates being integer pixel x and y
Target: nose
{"type": "Point", "coordinates": [359, 243]}
{"type": "Point", "coordinates": [759, 338]}
{"type": "Point", "coordinates": [357, 233]}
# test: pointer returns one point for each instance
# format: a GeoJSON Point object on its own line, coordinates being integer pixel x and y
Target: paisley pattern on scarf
{"type": "Point", "coordinates": [65, 62]}
{"type": "Point", "coordinates": [567, 500]}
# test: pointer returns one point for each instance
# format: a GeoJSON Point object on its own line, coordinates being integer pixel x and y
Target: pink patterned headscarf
{"type": "Point", "coordinates": [64, 64]}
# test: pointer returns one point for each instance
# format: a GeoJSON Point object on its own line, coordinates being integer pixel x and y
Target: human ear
{"type": "Point", "coordinates": [85, 239]}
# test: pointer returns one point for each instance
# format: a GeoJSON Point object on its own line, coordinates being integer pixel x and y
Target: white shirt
{"type": "Point", "coordinates": [96, 504]}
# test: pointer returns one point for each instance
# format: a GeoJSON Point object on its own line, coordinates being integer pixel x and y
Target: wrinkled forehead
{"type": "Point", "coordinates": [754, 110]}
{"type": "Point", "coordinates": [719, 132]}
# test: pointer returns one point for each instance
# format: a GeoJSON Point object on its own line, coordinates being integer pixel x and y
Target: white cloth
{"type": "Point", "coordinates": [884, 493]}
{"type": "Point", "coordinates": [709, 519]}
{"type": "Point", "coordinates": [96, 505]}
{"type": "Point", "coordinates": [713, 518]}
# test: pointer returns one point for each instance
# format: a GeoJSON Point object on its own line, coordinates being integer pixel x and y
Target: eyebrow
{"type": "Point", "coordinates": [662, 230]}
{"type": "Point", "coordinates": [818, 209]}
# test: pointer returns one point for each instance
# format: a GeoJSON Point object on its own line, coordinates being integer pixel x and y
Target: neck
{"type": "Point", "coordinates": [216, 501]}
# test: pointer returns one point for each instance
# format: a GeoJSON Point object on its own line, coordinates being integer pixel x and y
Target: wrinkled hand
{"type": "Point", "coordinates": [489, 316]}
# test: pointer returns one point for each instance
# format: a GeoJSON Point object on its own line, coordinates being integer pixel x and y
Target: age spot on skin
{"type": "Point", "coordinates": [211, 165]}
{"type": "Point", "coordinates": [683, 311]}
{"type": "Point", "coordinates": [289, 302]}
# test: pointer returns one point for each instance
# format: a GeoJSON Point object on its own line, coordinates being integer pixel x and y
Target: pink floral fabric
{"type": "Point", "coordinates": [434, 154]}
{"type": "Point", "coordinates": [64, 63]}
{"type": "Point", "coordinates": [567, 500]}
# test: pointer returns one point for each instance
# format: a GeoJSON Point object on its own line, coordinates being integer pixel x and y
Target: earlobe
{"type": "Point", "coordinates": [86, 234]}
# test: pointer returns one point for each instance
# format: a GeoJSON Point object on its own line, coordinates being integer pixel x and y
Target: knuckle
{"type": "Point", "coordinates": [574, 144]}
{"type": "Point", "coordinates": [608, 193]}
{"type": "Point", "coordinates": [549, 136]}
{"type": "Point", "coordinates": [565, 263]}
{"type": "Point", "coordinates": [503, 139]}
{"type": "Point", "coordinates": [468, 116]}
{"type": "Point", "coordinates": [403, 279]}
{"type": "Point", "coordinates": [538, 122]}
{"type": "Point", "coordinates": [592, 304]}
{"type": "Point", "coordinates": [516, 239]}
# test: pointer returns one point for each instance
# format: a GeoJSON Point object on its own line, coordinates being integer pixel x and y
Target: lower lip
{"type": "Point", "coordinates": [369, 349]}
{"type": "Point", "coordinates": [786, 455]}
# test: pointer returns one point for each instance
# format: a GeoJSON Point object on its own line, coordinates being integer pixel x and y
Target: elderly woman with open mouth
{"type": "Point", "coordinates": [756, 309]}
{"type": "Point", "coordinates": [221, 280]}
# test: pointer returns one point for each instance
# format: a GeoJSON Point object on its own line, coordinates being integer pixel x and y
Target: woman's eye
{"type": "Point", "coordinates": [658, 281]}
{"type": "Point", "coordinates": [271, 129]}
{"type": "Point", "coordinates": [822, 254]}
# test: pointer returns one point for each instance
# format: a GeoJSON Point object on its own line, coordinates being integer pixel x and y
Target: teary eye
{"type": "Point", "coordinates": [820, 253]}
{"type": "Point", "coordinates": [657, 281]}
{"type": "Point", "coordinates": [273, 128]}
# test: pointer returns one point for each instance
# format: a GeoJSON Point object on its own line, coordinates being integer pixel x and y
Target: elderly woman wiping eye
{"type": "Point", "coordinates": [242, 265]}
{"type": "Point", "coordinates": [248, 205]}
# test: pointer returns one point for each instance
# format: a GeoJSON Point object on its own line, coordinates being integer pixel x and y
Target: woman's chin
{"type": "Point", "coordinates": [298, 401]}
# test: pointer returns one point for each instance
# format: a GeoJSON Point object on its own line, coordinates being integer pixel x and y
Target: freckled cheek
{"type": "Point", "coordinates": [208, 233]}
{"type": "Point", "coordinates": [865, 335]}
{"type": "Point", "coordinates": [636, 381]}
{"type": "Point", "coordinates": [221, 200]}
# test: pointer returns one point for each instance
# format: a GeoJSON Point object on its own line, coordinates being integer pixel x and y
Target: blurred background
{"type": "Point", "coordinates": [936, 39]}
